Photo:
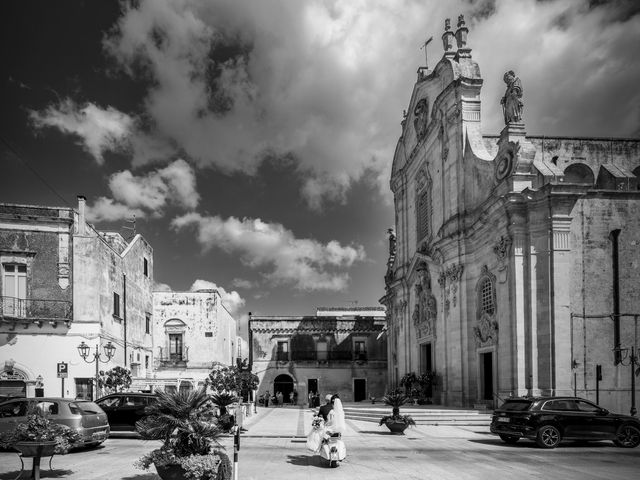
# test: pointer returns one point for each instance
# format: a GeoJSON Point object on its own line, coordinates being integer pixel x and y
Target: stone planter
{"type": "Point", "coordinates": [397, 428]}
{"type": "Point", "coordinates": [171, 472]}
{"type": "Point", "coordinates": [36, 449]}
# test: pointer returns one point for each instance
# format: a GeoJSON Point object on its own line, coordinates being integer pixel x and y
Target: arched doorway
{"type": "Point", "coordinates": [283, 383]}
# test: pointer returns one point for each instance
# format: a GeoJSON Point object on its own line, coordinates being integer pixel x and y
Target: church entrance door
{"type": "Point", "coordinates": [283, 383]}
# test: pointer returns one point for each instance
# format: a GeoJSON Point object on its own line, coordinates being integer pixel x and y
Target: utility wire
{"type": "Point", "coordinates": [20, 157]}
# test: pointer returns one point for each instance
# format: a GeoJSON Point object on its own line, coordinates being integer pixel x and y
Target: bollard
{"type": "Point", "coordinates": [236, 448]}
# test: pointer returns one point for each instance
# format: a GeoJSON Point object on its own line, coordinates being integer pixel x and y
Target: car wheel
{"type": "Point", "coordinates": [510, 439]}
{"type": "Point", "coordinates": [548, 436]}
{"type": "Point", "coordinates": [627, 436]}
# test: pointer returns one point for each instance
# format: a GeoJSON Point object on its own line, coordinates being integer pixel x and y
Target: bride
{"type": "Point", "coordinates": [335, 419]}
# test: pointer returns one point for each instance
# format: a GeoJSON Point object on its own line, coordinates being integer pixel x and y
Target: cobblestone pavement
{"type": "Point", "coordinates": [274, 448]}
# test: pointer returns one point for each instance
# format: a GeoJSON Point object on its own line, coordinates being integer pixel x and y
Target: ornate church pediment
{"type": "Point", "coordinates": [486, 331]}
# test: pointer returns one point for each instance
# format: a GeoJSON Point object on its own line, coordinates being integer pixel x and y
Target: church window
{"type": "Point", "coordinates": [578, 173]}
{"type": "Point", "coordinates": [423, 213]}
{"type": "Point", "coordinates": [487, 297]}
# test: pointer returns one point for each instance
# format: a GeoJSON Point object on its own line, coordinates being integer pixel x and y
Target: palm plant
{"type": "Point", "coordinates": [395, 400]}
{"type": "Point", "coordinates": [223, 400]}
{"type": "Point", "coordinates": [186, 425]}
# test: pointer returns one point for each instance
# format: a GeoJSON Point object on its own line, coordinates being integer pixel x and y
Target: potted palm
{"type": "Point", "coordinates": [185, 422]}
{"type": "Point", "coordinates": [395, 422]}
{"type": "Point", "coordinates": [222, 401]}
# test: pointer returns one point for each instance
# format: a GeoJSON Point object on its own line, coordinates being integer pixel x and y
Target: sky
{"type": "Point", "coordinates": [253, 140]}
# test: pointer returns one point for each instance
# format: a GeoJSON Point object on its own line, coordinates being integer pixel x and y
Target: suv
{"type": "Point", "coordinates": [549, 420]}
{"type": "Point", "coordinates": [124, 409]}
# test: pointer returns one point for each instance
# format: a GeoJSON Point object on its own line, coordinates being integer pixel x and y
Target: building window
{"type": "Point", "coordinates": [146, 267]}
{"type": "Point", "coordinates": [423, 215]}
{"type": "Point", "coordinates": [359, 351]}
{"type": "Point", "coordinates": [321, 348]}
{"type": "Point", "coordinates": [283, 352]}
{"type": "Point", "coordinates": [208, 334]}
{"type": "Point", "coordinates": [147, 323]}
{"type": "Point", "coordinates": [116, 305]}
{"type": "Point", "coordinates": [175, 346]}
{"type": "Point", "coordinates": [487, 302]}
{"type": "Point", "coordinates": [14, 289]}
{"type": "Point", "coordinates": [146, 362]}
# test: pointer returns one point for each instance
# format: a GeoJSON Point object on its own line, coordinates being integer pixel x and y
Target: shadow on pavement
{"type": "Point", "coordinates": [306, 460]}
{"type": "Point", "coordinates": [44, 473]}
{"type": "Point", "coordinates": [379, 432]}
{"type": "Point", "coordinates": [142, 476]}
{"type": "Point", "coordinates": [530, 444]}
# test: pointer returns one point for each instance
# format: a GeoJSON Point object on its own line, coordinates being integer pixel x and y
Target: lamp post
{"type": "Point", "coordinates": [84, 351]}
{"type": "Point", "coordinates": [622, 355]}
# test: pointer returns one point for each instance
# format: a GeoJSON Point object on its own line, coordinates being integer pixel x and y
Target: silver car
{"type": "Point", "coordinates": [83, 416]}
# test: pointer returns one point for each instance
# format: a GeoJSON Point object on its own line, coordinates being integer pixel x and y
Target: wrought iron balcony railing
{"type": "Point", "coordinates": [334, 356]}
{"type": "Point", "coordinates": [12, 308]}
{"type": "Point", "coordinates": [174, 358]}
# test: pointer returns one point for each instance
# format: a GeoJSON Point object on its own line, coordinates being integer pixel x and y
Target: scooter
{"type": "Point", "coordinates": [333, 449]}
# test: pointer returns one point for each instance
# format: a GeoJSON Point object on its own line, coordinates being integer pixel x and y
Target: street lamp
{"type": "Point", "coordinates": [631, 360]}
{"type": "Point", "coordinates": [84, 351]}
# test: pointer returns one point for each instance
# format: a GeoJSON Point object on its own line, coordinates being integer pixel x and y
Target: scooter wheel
{"type": "Point", "coordinates": [333, 463]}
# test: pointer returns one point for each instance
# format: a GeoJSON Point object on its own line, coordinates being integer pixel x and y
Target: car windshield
{"type": "Point", "coordinates": [84, 408]}
{"type": "Point", "coordinates": [516, 405]}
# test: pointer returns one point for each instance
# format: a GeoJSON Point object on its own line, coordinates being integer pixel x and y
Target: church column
{"type": "Point", "coordinates": [520, 332]}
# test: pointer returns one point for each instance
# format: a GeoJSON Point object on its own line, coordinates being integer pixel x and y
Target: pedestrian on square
{"type": "Point", "coordinates": [266, 397]}
{"type": "Point", "coordinates": [280, 398]}
{"type": "Point", "coordinates": [291, 397]}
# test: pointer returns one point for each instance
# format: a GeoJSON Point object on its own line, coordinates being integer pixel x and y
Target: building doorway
{"type": "Point", "coordinates": [312, 391]}
{"type": "Point", "coordinates": [426, 364]}
{"type": "Point", "coordinates": [283, 383]}
{"type": "Point", "coordinates": [359, 389]}
{"type": "Point", "coordinates": [486, 376]}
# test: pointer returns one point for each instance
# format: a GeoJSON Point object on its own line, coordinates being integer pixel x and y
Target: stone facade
{"type": "Point", "coordinates": [191, 332]}
{"type": "Point", "coordinates": [341, 353]}
{"type": "Point", "coordinates": [515, 260]}
{"type": "Point", "coordinates": [80, 285]}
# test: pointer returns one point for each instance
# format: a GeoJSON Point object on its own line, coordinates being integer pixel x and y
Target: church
{"type": "Point", "coordinates": [515, 261]}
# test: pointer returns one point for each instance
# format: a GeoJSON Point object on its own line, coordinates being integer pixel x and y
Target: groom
{"type": "Point", "coordinates": [327, 407]}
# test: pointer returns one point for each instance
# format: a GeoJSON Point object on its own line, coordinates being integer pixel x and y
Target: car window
{"type": "Point", "coordinates": [49, 408]}
{"type": "Point", "coordinates": [560, 405]}
{"type": "Point", "coordinates": [13, 409]}
{"type": "Point", "coordinates": [587, 407]}
{"type": "Point", "coordinates": [134, 401]}
{"type": "Point", "coordinates": [516, 405]}
{"type": "Point", "coordinates": [88, 408]}
{"type": "Point", "coordinates": [109, 402]}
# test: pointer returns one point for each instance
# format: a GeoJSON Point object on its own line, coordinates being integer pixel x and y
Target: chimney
{"type": "Point", "coordinates": [461, 39]}
{"type": "Point", "coordinates": [82, 225]}
{"type": "Point", "coordinates": [447, 39]}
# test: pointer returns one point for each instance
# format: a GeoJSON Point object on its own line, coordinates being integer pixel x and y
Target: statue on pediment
{"type": "Point", "coordinates": [421, 118]}
{"type": "Point", "coordinates": [512, 100]}
{"type": "Point", "coordinates": [426, 310]}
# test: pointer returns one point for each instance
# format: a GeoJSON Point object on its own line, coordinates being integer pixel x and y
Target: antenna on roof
{"type": "Point", "coordinates": [132, 228]}
{"type": "Point", "coordinates": [424, 46]}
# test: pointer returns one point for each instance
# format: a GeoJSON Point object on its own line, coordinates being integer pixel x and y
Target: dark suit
{"type": "Point", "coordinates": [325, 409]}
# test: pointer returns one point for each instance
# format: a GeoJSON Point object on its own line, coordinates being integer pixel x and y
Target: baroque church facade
{"type": "Point", "coordinates": [515, 262]}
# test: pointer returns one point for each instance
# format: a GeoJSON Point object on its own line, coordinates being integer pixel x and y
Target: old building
{"type": "Point", "coordinates": [64, 283]}
{"type": "Point", "coordinates": [338, 350]}
{"type": "Point", "coordinates": [191, 332]}
{"type": "Point", "coordinates": [514, 266]}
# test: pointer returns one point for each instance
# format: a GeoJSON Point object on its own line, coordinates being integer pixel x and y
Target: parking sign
{"type": "Point", "coordinates": [63, 370]}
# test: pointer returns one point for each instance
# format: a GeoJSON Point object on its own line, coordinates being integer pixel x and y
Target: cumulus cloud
{"type": "Point", "coordinates": [231, 300]}
{"type": "Point", "coordinates": [242, 283]}
{"type": "Point", "coordinates": [99, 130]}
{"type": "Point", "coordinates": [147, 194]}
{"type": "Point", "coordinates": [304, 263]}
{"type": "Point", "coordinates": [161, 287]}
{"type": "Point", "coordinates": [106, 210]}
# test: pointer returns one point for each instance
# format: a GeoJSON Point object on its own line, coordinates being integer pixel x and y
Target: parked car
{"type": "Point", "coordinates": [124, 409]}
{"type": "Point", "coordinates": [549, 420]}
{"type": "Point", "coordinates": [85, 417]}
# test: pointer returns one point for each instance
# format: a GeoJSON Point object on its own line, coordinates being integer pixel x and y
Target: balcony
{"type": "Point", "coordinates": [34, 310]}
{"type": "Point", "coordinates": [173, 359]}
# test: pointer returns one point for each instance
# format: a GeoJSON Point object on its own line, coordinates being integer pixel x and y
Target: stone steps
{"type": "Point", "coordinates": [422, 416]}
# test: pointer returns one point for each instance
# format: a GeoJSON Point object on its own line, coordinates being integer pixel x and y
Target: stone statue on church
{"type": "Point", "coordinates": [392, 256]}
{"type": "Point", "coordinates": [512, 99]}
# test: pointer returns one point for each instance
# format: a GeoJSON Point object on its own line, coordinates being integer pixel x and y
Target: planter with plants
{"type": "Point", "coordinates": [39, 437]}
{"type": "Point", "coordinates": [222, 401]}
{"type": "Point", "coordinates": [185, 422]}
{"type": "Point", "coordinates": [395, 422]}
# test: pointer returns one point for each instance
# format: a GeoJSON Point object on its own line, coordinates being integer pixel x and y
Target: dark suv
{"type": "Point", "coordinates": [549, 420]}
{"type": "Point", "coordinates": [124, 409]}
